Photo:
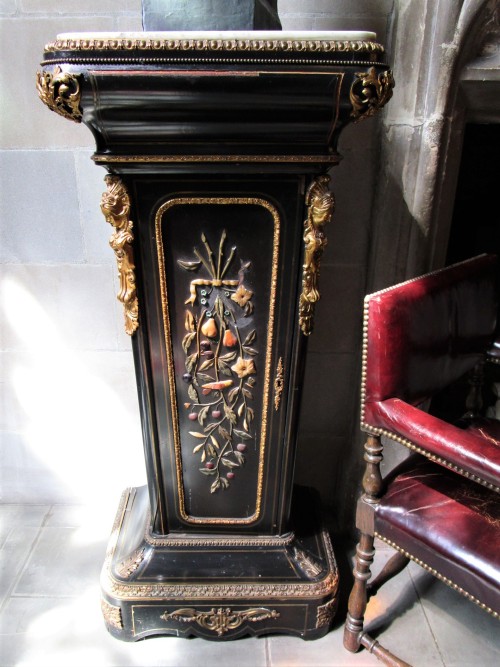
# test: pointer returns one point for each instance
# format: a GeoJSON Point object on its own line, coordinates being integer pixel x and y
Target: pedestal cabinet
{"type": "Point", "coordinates": [217, 147]}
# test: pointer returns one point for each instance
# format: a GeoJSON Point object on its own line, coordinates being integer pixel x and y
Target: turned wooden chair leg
{"type": "Point", "coordinates": [394, 566]}
{"type": "Point", "coordinates": [354, 636]}
{"type": "Point", "coordinates": [358, 598]}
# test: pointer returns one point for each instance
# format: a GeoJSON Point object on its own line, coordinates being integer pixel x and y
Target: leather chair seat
{"type": "Point", "coordinates": [445, 524]}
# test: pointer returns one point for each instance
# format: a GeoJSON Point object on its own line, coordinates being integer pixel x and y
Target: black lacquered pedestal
{"type": "Point", "coordinates": [217, 149]}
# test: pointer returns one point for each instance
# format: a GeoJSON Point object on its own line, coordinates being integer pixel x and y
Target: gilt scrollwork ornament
{"type": "Point", "coordinates": [369, 93]}
{"type": "Point", "coordinates": [112, 614]}
{"type": "Point", "coordinates": [115, 205]}
{"type": "Point", "coordinates": [279, 384]}
{"type": "Point", "coordinates": [326, 612]}
{"type": "Point", "coordinates": [321, 204]}
{"type": "Point", "coordinates": [220, 620]}
{"type": "Point", "coordinates": [60, 91]}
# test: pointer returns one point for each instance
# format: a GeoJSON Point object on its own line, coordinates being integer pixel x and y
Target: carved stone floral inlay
{"type": "Point", "coordinates": [60, 91]}
{"type": "Point", "coordinates": [369, 93]}
{"type": "Point", "coordinates": [220, 620]}
{"type": "Point", "coordinates": [220, 365]}
{"type": "Point", "coordinates": [321, 204]}
{"type": "Point", "coordinates": [115, 205]}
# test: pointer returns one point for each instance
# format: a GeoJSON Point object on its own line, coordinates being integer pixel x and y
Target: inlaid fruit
{"type": "Point", "coordinates": [209, 328]}
{"type": "Point", "coordinates": [229, 339]}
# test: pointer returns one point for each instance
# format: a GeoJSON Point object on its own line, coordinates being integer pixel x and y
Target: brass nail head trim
{"type": "Point", "coordinates": [60, 91]}
{"type": "Point", "coordinates": [321, 204]}
{"type": "Point", "coordinates": [115, 205]}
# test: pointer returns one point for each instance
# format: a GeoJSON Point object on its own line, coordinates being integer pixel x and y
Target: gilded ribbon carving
{"type": "Point", "coordinates": [321, 204]}
{"type": "Point", "coordinates": [369, 93]}
{"type": "Point", "coordinates": [115, 205]}
{"type": "Point", "coordinates": [60, 91]}
{"type": "Point", "coordinates": [221, 620]}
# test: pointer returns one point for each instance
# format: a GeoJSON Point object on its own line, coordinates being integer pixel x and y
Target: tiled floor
{"type": "Point", "coordinates": [50, 559]}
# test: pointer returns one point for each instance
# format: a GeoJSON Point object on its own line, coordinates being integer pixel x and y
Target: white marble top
{"type": "Point", "coordinates": [323, 35]}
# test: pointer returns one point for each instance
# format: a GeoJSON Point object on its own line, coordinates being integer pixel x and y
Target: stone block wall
{"type": "Point", "coordinates": [70, 422]}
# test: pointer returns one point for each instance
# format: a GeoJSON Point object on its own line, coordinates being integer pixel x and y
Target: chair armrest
{"type": "Point", "coordinates": [469, 454]}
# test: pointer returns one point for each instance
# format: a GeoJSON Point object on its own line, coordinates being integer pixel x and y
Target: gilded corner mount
{"type": "Point", "coordinates": [369, 93]}
{"type": "Point", "coordinates": [321, 204]}
{"type": "Point", "coordinates": [60, 91]}
{"type": "Point", "coordinates": [115, 205]}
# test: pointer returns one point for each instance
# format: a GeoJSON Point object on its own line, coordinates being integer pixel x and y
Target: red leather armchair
{"type": "Point", "coordinates": [440, 507]}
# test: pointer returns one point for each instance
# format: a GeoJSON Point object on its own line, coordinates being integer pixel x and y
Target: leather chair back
{"type": "Point", "coordinates": [438, 330]}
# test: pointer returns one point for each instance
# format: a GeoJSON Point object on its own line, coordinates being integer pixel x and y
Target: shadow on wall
{"type": "Point", "coordinates": [77, 440]}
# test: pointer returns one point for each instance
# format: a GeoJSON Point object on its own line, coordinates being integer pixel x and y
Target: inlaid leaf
{"type": "Point", "coordinates": [189, 266]}
{"type": "Point", "coordinates": [240, 458]}
{"type": "Point", "coordinates": [208, 363]}
{"type": "Point", "coordinates": [190, 362]}
{"type": "Point", "coordinates": [224, 482]}
{"type": "Point", "coordinates": [240, 409]}
{"type": "Point", "coordinates": [198, 447]}
{"type": "Point", "coordinates": [202, 414]}
{"type": "Point", "coordinates": [187, 340]}
{"type": "Point", "coordinates": [230, 356]}
{"type": "Point", "coordinates": [205, 471]}
{"type": "Point", "coordinates": [211, 451]}
{"type": "Point", "coordinates": [232, 394]}
{"type": "Point", "coordinates": [228, 463]}
{"type": "Point", "coordinates": [195, 434]}
{"type": "Point", "coordinates": [209, 427]}
{"type": "Point", "coordinates": [190, 322]}
{"type": "Point", "coordinates": [224, 433]}
{"type": "Point", "coordinates": [250, 338]}
{"type": "Point", "coordinates": [224, 368]}
{"type": "Point", "coordinates": [242, 434]}
{"type": "Point", "coordinates": [250, 350]}
{"type": "Point", "coordinates": [215, 443]}
{"type": "Point", "coordinates": [204, 376]}
{"type": "Point", "coordinates": [250, 414]}
{"type": "Point", "coordinates": [215, 486]}
{"type": "Point", "coordinates": [246, 393]}
{"type": "Point", "coordinates": [230, 414]}
{"type": "Point", "coordinates": [193, 394]}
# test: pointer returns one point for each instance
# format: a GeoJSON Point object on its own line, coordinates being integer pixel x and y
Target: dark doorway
{"type": "Point", "coordinates": [475, 224]}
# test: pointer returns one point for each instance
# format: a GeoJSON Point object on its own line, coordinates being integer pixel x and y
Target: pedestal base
{"type": "Point", "coordinates": [213, 586]}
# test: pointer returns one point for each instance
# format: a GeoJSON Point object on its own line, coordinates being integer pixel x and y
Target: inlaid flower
{"type": "Point", "coordinates": [242, 296]}
{"type": "Point", "coordinates": [244, 367]}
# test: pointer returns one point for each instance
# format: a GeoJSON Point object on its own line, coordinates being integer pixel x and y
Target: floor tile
{"type": "Point", "coordinates": [13, 516]}
{"type": "Point", "coordinates": [48, 632]}
{"type": "Point", "coordinates": [64, 562]}
{"type": "Point", "coordinates": [13, 555]}
{"type": "Point", "coordinates": [466, 635]}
